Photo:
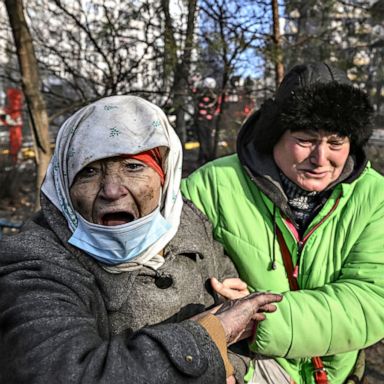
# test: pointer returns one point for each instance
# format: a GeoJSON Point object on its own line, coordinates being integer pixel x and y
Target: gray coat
{"type": "Point", "coordinates": [64, 319]}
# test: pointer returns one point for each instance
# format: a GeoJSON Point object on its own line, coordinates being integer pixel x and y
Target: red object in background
{"type": "Point", "coordinates": [207, 105]}
{"type": "Point", "coordinates": [13, 119]}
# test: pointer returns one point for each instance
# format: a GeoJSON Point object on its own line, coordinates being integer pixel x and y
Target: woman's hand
{"type": "Point", "coordinates": [240, 317]}
{"type": "Point", "coordinates": [230, 289]}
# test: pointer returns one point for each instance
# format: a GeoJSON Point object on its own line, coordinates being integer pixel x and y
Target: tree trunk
{"type": "Point", "coordinates": [31, 86]}
{"type": "Point", "coordinates": [278, 57]}
{"type": "Point", "coordinates": [220, 106]}
{"type": "Point", "coordinates": [179, 66]}
{"type": "Point", "coordinates": [379, 88]}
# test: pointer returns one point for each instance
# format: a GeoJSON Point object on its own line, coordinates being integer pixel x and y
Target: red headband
{"type": "Point", "coordinates": [152, 158]}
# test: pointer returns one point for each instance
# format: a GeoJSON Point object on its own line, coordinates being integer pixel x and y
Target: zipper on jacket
{"type": "Point", "coordinates": [301, 242]}
{"type": "Point", "coordinates": [300, 246]}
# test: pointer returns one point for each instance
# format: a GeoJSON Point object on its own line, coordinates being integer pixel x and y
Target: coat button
{"type": "Point", "coordinates": [188, 359]}
{"type": "Point", "coordinates": [163, 281]}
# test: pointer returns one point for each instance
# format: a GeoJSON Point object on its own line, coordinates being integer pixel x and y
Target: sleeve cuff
{"type": "Point", "coordinates": [216, 331]}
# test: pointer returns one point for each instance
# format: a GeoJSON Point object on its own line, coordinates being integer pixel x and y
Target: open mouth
{"type": "Point", "coordinates": [117, 218]}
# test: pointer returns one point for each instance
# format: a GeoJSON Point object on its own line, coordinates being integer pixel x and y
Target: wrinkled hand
{"type": "Point", "coordinates": [231, 289]}
{"type": "Point", "coordinates": [239, 317]}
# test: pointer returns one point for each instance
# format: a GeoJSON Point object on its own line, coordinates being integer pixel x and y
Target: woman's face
{"type": "Point", "coordinates": [312, 160]}
{"type": "Point", "coordinates": [115, 191]}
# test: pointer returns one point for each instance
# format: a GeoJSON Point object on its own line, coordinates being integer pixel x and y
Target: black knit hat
{"type": "Point", "coordinates": [316, 97]}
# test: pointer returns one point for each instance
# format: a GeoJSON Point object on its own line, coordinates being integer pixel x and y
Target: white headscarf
{"type": "Point", "coordinates": [114, 126]}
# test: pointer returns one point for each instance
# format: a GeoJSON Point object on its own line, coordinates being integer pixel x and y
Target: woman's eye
{"type": "Point", "coordinates": [336, 143]}
{"type": "Point", "coordinates": [304, 142]}
{"type": "Point", "coordinates": [87, 172]}
{"type": "Point", "coordinates": [134, 166]}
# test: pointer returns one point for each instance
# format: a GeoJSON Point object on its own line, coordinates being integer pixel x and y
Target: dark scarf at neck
{"type": "Point", "coordinates": [304, 204]}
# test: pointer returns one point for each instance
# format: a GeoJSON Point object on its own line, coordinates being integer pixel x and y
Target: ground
{"type": "Point", "coordinates": [20, 206]}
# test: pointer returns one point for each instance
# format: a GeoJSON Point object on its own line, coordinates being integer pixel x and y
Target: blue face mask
{"type": "Point", "coordinates": [120, 243]}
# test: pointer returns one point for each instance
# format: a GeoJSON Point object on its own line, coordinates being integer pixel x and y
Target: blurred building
{"type": "Point", "coordinates": [349, 34]}
{"type": "Point", "coordinates": [93, 48]}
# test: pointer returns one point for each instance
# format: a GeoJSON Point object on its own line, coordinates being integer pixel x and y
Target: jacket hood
{"type": "Point", "coordinates": [315, 96]}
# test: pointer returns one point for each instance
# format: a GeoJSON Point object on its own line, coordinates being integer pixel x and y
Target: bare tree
{"type": "Point", "coordinates": [231, 31]}
{"type": "Point", "coordinates": [88, 50]}
{"type": "Point", "coordinates": [31, 86]}
{"type": "Point", "coordinates": [98, 50]}
{"type": "Point", "coordinates": [178, 61]}
{"type": "Point", "coordinates": [279, 66]}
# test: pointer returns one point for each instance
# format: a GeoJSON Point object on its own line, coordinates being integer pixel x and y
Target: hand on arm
{"type": "Point", "coordinates": [238, 317]}
{"type": "Point", "coordinates": [236, 320]}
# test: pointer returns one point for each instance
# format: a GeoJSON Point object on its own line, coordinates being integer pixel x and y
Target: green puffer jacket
{"type": "Point", "coordinates": [340, 306]}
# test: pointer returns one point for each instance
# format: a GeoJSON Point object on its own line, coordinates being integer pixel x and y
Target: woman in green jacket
{"type": "Point", "coordinates": [300, 211]}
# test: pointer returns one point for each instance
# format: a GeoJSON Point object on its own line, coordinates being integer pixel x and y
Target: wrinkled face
{"type": "Point", "coordinates": [312, 160]}
{"type": "Point", "coordinates": [115, 191]}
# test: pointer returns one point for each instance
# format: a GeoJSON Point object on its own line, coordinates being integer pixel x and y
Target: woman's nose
{"type": "Point", "coordinates": [112, 188]}
{"type": "Point", "coordinates": [319, 154]}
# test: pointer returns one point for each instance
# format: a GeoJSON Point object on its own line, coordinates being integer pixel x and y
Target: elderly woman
{"type": "Point", "coordinates": [113, 250]}
{"type": "Point", "coordinates": [300, 211]}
